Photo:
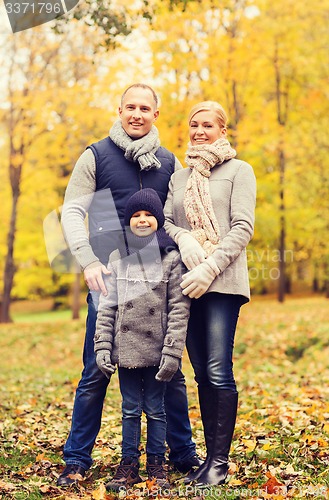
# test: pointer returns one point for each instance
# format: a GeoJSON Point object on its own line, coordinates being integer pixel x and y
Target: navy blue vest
{"type": "Point", "coordinates": [116, 180]}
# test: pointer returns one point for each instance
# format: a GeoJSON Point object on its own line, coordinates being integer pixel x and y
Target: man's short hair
{"type": "Point", "coordinates": [143, 86]}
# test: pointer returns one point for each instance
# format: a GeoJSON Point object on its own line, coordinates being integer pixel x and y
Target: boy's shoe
{"type": "Point", "coordinates": [156, 471]}
{"type": "Point", "coordinates": [125, 476]}
{"type": "Point", "coordinates": [188, 464]}
{"type": "Point", "coordinates": [72, 474]}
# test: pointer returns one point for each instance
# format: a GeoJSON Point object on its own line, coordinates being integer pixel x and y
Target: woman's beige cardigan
{"type": "Point", "coordinates": [233, 194]}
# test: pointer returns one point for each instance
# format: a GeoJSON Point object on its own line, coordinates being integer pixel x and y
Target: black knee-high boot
{"type": "Point", "coordinates": [207, 402]}
{"type": "Point", "coordinates": [226, 403]}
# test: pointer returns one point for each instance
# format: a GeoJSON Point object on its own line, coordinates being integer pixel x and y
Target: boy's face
{"type": "Point", "coordinates": [143, 223]}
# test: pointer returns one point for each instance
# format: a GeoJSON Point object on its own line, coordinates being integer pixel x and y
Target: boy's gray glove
{"type": "Point", "coordinates": [103, 360]}
{"type": "Point", "coordinates": [168, 367]}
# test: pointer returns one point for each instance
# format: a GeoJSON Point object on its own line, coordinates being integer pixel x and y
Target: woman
{"type": "Point", "coordinates": [210, 214]}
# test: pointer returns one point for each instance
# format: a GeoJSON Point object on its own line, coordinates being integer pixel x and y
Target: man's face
{"type": "Point", "coordinates": [138, 112]}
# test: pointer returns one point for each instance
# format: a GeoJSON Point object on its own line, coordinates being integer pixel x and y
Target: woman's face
{"type": "Point", "coordinates": [205, 129]}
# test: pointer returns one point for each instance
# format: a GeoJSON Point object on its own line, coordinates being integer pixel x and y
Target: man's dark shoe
{"type": "Point", "coordinates": [156, 472]}
{"type": "Point", "coordinates": [125, 476]}
{"type": "Point", "coordinates": [72, 474]}
{"type": "Point", "coordinates": [188, 464]}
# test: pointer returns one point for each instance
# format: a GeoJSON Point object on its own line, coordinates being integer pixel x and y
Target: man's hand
{"type": "Point", "coordinates": [103, 360]}
{"type": "Point", "coordinates": [94, 277]}
{"type": "Point", "coordinates": [191, 251]}
{"type": "Point", "coordinates": [197, 281]}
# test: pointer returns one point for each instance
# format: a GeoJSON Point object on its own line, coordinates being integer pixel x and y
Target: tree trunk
{"type": "Point", "coordinates": [315, 282]}
{"type": "Point", "coordinates": [282, 237]}
{"type": "Point", "coordinates": [9, 270]}
{"type": "Point", "coordinates": [15, 174]}
{"type": "Point", "coordinates": [282, 111]}
{"type": "Point", "coordinates": [326, 280]}
{"type": "Point", "coordinates": [76, 297]}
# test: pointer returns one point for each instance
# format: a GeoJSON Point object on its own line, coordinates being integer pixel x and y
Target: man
{"type": "Point", "coordinates": [103, 179]}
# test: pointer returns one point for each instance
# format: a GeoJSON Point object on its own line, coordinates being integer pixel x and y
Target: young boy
{"type": "Point", "coordinates": [141, 327]}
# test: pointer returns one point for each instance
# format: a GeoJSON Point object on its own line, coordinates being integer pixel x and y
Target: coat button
{"type": "Point", "coordinates": [152, 311]}
{"type": "Point", "coordinates": [148, 333]}
{"type": "Point", "coordinates": [125, 329]}
{"type": "Point", "coordinates": [129, 305]}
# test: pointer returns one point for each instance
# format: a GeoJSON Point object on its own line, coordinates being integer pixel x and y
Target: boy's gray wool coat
{"type": "Point", "coordinates": [145, 313]}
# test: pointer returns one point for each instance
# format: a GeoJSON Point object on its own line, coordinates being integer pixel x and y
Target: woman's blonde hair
{"type": "Point", "coordinates": [210, 106]}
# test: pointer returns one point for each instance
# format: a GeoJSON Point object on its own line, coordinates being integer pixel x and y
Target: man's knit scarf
{"type": "Point", "coordinates": [197, 200]}
{"type": "Point", "coordinates": [141, 150]}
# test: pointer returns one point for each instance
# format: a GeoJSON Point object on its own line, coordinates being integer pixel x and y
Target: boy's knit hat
{"type": "Point", "coordinates": [145, 199]}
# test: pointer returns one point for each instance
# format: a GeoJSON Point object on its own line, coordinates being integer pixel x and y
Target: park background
{"type": "Point", "coordinates": [267, 64]}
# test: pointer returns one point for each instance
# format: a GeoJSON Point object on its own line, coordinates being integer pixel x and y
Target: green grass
{"type": "Point", "coordinates": [44, 316]}
{"type": "Point", "coordinates": [280, 446]}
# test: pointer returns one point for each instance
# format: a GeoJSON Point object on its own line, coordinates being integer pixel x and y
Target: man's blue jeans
{"type": "Point", "coordinates": [89, 399]}
{"type": "Point", "coordinates": [141, 392]}
{"type": "Point", "coordinates": [210, 338]}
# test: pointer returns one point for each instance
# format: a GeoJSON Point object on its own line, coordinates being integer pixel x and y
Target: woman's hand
{"type": "Point", "coordinates": [197, 281]}
{"type": "Point", "coordinates": [191, 251]}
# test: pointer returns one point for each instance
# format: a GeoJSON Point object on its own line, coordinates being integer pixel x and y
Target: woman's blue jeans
{"type": "Point", "coordinates": [89, 399]}
{"type": "Point", "coordinates": [141, 392]}
{"type": "Point", "coordinates": [210, 338]}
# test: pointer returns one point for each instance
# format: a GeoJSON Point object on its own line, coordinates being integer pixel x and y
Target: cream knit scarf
{"type": "Point", "coordinates": [141, 150]}
{"type": "Point", "coordinates": [197, 200]}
